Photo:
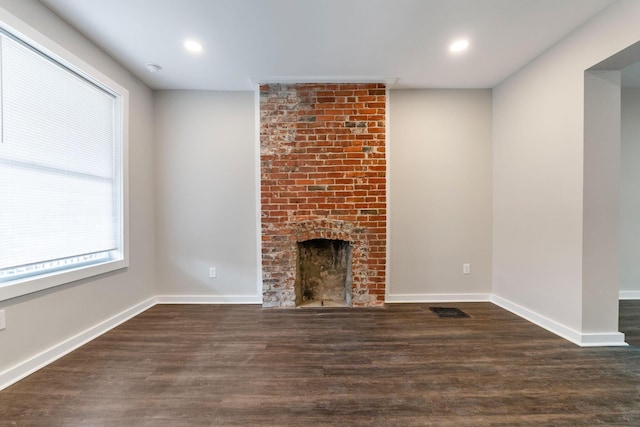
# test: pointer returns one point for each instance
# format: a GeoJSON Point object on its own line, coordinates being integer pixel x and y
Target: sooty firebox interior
{"type": "Point", "coordinates": [323, 273]}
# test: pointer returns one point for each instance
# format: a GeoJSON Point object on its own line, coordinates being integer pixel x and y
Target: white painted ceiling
{"type": "Point", "coordinates": [325, 40]}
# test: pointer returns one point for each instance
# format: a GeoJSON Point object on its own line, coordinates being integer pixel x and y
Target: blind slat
{"type": "Point", "coordinates": [59, 184]}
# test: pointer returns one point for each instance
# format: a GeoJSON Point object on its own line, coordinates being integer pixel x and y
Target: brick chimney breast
{"type": "Point", "coordinates": [323, 176]}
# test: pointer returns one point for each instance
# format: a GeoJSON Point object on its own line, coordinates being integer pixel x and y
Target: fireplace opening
{"type": "Point", "coordinates": [323, 276]}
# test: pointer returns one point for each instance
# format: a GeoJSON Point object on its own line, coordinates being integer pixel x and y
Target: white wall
{"type": "Point", "coordinates": [206, 195]}
{"type": "Point", "coordinates": [440, 194]}
{"type": "Point", "coordinates": [41, 320]}
{"type": "Point", "coordinates": [601, 201]}
{"type": "Point", "coordinates": [538, 174]}
{"type": "Point", "coordinates": [630, 192]}
{"type": "Point", "coordinates": [206, 162]}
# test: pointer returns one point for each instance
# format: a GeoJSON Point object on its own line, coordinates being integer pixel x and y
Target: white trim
{"type": "Point", "coordinates": [29, 366]}
{"type": "Point", "coordinates": [416, 298]}
{"type": "Point", "coordinates": [47, 47]}
{"type": "Point", "coordinates": [606, 339]}
{"type": "Point", "coordinates": [33, 284]}
{"type": "Point", "coordinates": [257, 81]}
{"type": "Point", "coordinates": [582, 339]}
{"type": "Point", "coordinates": [45, 44]}
{"type": "Point", "coordinates": [387, 154]}
{"type": "Point", "coordinates": [258, 204]}
{"type": "Point", "coordinates": [209, 299]}
{"type": "Point", "coordinates": [629, 295]}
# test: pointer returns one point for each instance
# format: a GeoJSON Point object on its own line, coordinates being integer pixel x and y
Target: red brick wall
{"type": "Point", "coordinates": [323, 175]}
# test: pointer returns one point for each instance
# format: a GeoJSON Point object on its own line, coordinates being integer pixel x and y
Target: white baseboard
{"type": "Point", "coordinates": [209, 299]}
{"type": "Point", "coordinates": [29, 366]}
{"type": "Point", "coordinates": [609, 339]}
{"type": "Point", "coordinates": [629, 295]}
{"type": "Point", "coordinates": [582, 339]}
{"type": "Point", "coordinates": [417, 298]}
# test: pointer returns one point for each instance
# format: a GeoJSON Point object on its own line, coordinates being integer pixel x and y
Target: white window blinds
{"type": "Point", "coordinates": [60, 164]}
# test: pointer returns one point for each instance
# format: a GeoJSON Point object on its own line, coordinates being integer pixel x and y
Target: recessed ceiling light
{"type": "Point", "coordinates": [152, 67]}
{"type": "Point", "coordinates": [193, 46]}
{"type": "Point", "coordinates": [459, 46]}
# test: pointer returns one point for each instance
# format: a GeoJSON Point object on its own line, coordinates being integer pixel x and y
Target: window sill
{"type": "Point", "coordinates": [29, 285]}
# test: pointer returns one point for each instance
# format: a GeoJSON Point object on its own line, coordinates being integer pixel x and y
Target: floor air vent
{"type": "Point", "coordinates": [448, 312]}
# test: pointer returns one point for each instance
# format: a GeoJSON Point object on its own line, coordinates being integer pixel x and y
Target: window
{"type": "Point", "coordinates": [61, 172]}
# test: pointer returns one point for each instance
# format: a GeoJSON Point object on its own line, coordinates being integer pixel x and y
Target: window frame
{"type": "Point", "coordinates": [45, 46]}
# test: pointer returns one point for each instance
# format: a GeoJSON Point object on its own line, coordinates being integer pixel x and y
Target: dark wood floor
{"type": "Point", "coordinates": [203, 365]}
{"type": "Point", "coordinates": [629, 322]}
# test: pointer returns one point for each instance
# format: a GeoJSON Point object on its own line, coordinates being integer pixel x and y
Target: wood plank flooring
{"type": "Point", "coordinates": [629, 321]}
{"type": "Point", "coordinates": [203, 365]}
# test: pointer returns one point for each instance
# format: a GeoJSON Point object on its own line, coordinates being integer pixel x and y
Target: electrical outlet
{"type": "Point", "coordinates": [213, 272]}
{"type": "Point", "coordinates": [466, 268]}
{"type": "Point", "coordinates": [3, 320]}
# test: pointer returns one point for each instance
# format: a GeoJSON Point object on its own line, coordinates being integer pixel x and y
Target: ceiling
{"type": "Point", "coordinates": [400, 41]}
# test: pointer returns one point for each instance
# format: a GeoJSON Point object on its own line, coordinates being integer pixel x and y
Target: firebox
{"type": "Point", "coordinates": [323, 274]}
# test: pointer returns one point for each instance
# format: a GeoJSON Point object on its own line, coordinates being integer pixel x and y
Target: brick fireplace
{"type": "Point", "coordinates": [323, 176]}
